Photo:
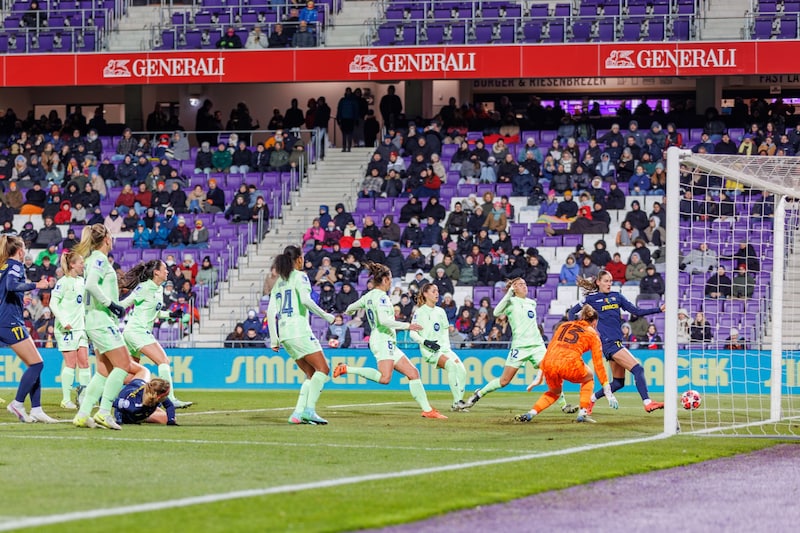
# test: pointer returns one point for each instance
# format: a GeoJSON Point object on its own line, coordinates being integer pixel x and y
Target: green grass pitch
{"type": "Point", "coordinates": [356, 472]}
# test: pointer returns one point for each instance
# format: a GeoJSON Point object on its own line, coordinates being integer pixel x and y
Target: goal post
{"type": "Point", "coordinates": [730, 256]}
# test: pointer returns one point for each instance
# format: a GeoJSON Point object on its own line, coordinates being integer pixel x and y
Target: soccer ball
{"type": "Point", "coordinates": [690, 400]}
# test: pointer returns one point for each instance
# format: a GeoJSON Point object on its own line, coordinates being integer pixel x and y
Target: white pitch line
{"type": "Point", "coordinates": [38, 521]}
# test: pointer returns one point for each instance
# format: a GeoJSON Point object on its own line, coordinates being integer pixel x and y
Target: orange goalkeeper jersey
{"type": "Point", "coordinates": [570, 341]}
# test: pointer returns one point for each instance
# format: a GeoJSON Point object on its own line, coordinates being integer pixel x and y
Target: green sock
{"type": "Point", "coordinates": [562, 401]}
{"type": "Point", "coordinates": [371, 374]}
{"type": "Point", "coordinates": [84, 376]}
{"type": "Point", "coordinates": [302, 399]}
{"type": "Point", "coordinates": [418, 393]}
{"type": "Point", "coordinates": [165, 373]}
{"type": "Point", "coordinates": [114, 384]}
{"type": "Point", "coordinates": [317, 382]}
{"type": "Point", "coordinates": [93, 392]}
{"type": "Point", "coordinates": [67, 377]}
{"type": "Point", "coordinates": [491, 386]}
{"type": "Point", "coordinates": [457, 378]}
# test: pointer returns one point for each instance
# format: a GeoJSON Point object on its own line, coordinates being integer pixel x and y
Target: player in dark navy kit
{"type": "Point", "coordinates": [597, 293]}
{"type": "Point", "coordinates": [142, 401]}
{"type": "Point", "coordinates": [13, 332]}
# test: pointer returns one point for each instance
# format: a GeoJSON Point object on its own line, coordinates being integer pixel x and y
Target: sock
{"type": "Point", "coordinates": [562, 401]}
{"type": "Point", "coordinates": [641, 382]}
{"type": "Point", "coordinates": [317, 382]}
{"type": "Point", "coordinates": [84, 376]}
{"type": "Point", "coordinates": [28, 382]}
{"type": "Point", "coordinates": [489, 387]}
{"type": "Point", "coordinates": [371, 374]}
{"type": "Point", "coordinates": [93, 392]}
{"type": "Point", "coordinates": [302, 398]}
{"type": "Point", "coordinates": [586, 394]}
{"type": "Point", "coordinates": [457, 378]}
{"type": "Point", "coordinates": [114, 384]}
{"type": "Point", "coordinates": [545, 400]}
{"type": "Point", "coordinates": [67, 377]}
{"type": "Point", "coordinates": [165, 373]}
{"type": "Point", "coordinates": [616, 384]}
{"type": "Point", "coordinates": [418, 393]}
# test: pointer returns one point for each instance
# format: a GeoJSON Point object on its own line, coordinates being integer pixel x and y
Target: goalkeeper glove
{"type": "Point", "coordinates": [176, 313]}
{"type": "Point", "coordinates": [116, 309]}
{"type": "Point", "coordinates": [612, 400]}
{"type": "Point", "coordinates": [432, 345]}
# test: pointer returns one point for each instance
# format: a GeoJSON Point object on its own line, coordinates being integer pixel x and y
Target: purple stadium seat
{"type": "Point", "coordinates": [540, 10]}
{"type": "Point", "coordinates": [481, 292]}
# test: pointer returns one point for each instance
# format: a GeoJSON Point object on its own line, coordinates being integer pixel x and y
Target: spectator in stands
{"type": "Point", "coordinates": [489, 272]}
{"type": "Point", "coordinates": [763, 208]}
{"type": "Point", "coordinates": [257, 40]}
{"type": "Point", "coordinates": [734, 341]}
{"type": "Point", "coordinates": [743, 284]}
{"type": "Point", "coordinates": [651, 286]}
{"type": "Point", "coordinates": [700, 328]}
{"type": "Point", "coordinates": [215, 198]}
{"type": "Point", "coordinates": [535, 272]}
{"type": "Point", "coordinates": [179, 236]}
{"type": "Point", "coordinates": [196, 200]}
{"type": "Point", "coordinates": [569, 271]}
{"type": "Point", "coordinates": [700, 260]}
{"type": "Point", "coordinates": [615, 198]}
{"type": "Point", "coordinates": [434, 210]}
{"type": "Point", "coordinates": [746, 255]}
{"type": "Point", "coordinates": [142, 237]}
{"type": "Point", "coordinates": [626, 234]}
{"type": "Point", "coordinates": [199, 235]}
{"type": "Point", "coordinates": [34, 17]}
{"type": "Point", "coordinates": [636, 269]}
{"type": "Point", "coordinates": [230, 40]}
{"type": "Point", "coordinates": [204, 160]}
{"type": "Point", "coordinates": [475, 338]}
{"type": "Point", "coordinates": [48, 235]}
{"type": "Point", "coordinates": [342, 218]}
{"type": "Point", "coordinates": [235, 339]}
{"type": "Point", "coordinates": [468, 273]}
{"type": "Point", "coordinates": [496, 220]}
{"type": "Point", "coordinates": [278, 38]}
{"type": "Point", "coordinates": [719, 285]}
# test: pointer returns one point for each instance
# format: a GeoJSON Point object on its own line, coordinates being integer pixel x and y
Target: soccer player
{"type": "Point", "coordinates": [434, 342]}
{"type": "Point", "coordinates": [526, 339]}
{"type": "Point", "coordinates": [287, 318]}
{"type": "Point", "coordinates": [103, 312]}
{"type": "Point", "coordinates": [13, 332]}
{"type": "Point", "coordinates": [147, 298]}
{"type": "Point", "coordinates": [66, 303]}
{"type": "Point", "coordinates": [383, 340]}
{"type": "Point", "coordinates": [597, 293]}
{"type": "Point", "coordinates": [563, 361]}
{"type": "Point", "coordinates": [141, 401]}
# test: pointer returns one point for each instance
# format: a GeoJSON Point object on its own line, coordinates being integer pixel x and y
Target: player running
{"type": "Point", "coordinates": [608, 304]}
{"type": "Point", "coordinates": [13, 332]}
{"type": "Point", "coordinates": [141, 401]}
{"type": "Point", "coordinates": [102, 327]}
{"type": "Point", "coordinates": [383, 340]}
{"type": "Point", "coordinates": [66, 303]}
{"type": "Point", "coordinates": [287, 318]}
{"type": "Point", "coordinates": [434, 342]}
{"type": "Point", "coordinates": [563, 361]}
{"type": "Point", "coordinates": [147, 298]}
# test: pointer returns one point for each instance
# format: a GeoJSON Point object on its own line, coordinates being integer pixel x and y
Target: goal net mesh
{"type": "Point", "coordinates": [733, 293]}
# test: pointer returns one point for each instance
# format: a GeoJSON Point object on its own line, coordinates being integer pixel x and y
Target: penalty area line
{"type": "Point", "coordinates": [39, 521]}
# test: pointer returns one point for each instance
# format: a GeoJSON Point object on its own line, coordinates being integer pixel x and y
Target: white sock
{"type": "Point", "coordinates": [648, 401]}
{"type": "Point", "coordinates": [37, 411]}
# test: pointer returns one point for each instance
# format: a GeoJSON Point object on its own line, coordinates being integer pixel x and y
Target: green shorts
{"type": "Point", "coordinates": [432, 358]}
{"type": "Point", "coordinates": [385, 350]}
{"type": "Point", "coordinates": [518, 356]}
{"type": "Point", "coordinates": [70, 341]}
{"type": "Point", "coordinates": [300, 347]}
{"type": "Point", "coordinates": [106, 339]}
{"type": "Point", "coordinates": [137, 339]}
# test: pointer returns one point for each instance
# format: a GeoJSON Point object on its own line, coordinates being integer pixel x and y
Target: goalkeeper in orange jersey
{"type": "Point", "coordinates": [563, 361]}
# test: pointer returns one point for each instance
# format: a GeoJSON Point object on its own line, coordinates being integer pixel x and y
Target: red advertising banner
{"type": "Point", "coordinates": [390, 63]}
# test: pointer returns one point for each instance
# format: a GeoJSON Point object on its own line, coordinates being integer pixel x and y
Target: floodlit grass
{"type": "Point", "coordinates": [235, 441]}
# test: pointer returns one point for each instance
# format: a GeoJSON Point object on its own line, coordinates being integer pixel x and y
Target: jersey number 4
{"type": "Point", "coordinates": [284, 301]}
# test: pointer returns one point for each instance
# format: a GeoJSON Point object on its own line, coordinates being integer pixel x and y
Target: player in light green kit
{"type": "Point", "coordinates": [287, 317]}
{"type": "Point", "coordinates": [102, 326]}
{"type": "Point", "coordinates": [66, 303]}
{"type": "Point", "coordinates": [383, 340]}
{"type": "Point", "coordinates": [526, 339]}
{"type": "Point", "coordinates": [434, 342]}
{"type": "Point", "coordinates": [147, 298]}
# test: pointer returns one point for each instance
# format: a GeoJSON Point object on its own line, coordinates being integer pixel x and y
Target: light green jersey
{"type": "Point", "coordinates": [521, 313]}
{"type": "Point", "coordinates": [380, 315]}
{"type": "Point", "coordinates": [148, 305]}
{"type": "Point", "coordinates": [434, 328]}
{"type": "Point", "coordinates": [101, 290]}
{"type": "Point", "coordinates": [66, 303]}
{"type": "Point", "coordinates": [290, 302]}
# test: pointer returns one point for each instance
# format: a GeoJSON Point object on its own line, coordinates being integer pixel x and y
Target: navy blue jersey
{"type": "Point", "coordinates": [12, 291]}
{"type": "Point", "coordinates": [608, 307]}
{"type": "Point", "coordinates": [130, 408]}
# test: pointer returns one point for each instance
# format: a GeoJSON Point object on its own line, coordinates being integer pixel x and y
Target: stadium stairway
{"type": "Point", "coordinates": [133, 30]}
{"type": "Point", "coordinates": [335, 180]}
{"type": "Point", "coordinates": [350, 23]}
{"type": "Point", "coordinates": [726, 20]}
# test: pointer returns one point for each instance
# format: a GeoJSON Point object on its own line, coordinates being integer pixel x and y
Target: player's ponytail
{"type": "Point", "coordinates": [139, 274]}
{"type": "Point", "coordinates": [284, 263]}
{"type": "Point", "coordinates": [587, 285]}
{"type": "Point", "coordinates": [67, 258]}
{"type": "Point", "coordinates": [421, 294]}
{"type": "Point", "coordinates": [91, 239]}
{"type": "Point", "coordinates": [155, 392]}
{"type": "Point", "coordinates": [588, 314]}
{"type": "Point", "coordinates": [378, 272]}
{"type": "Point", "coordinates": [9, 246]}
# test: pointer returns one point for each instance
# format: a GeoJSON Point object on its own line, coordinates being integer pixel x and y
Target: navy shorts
{"type": "Point", "coordinates": [13, 335]}
{"type": "Point", "coordinates": [611, 347]}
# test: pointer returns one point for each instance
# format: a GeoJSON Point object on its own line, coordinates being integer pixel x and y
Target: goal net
{"type": "Point", "coordinates": [732, 294]}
